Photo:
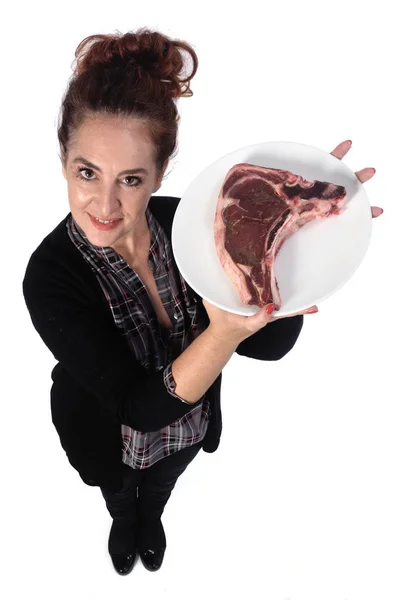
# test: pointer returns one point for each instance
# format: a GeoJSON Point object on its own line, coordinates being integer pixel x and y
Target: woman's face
{"type": "Point", "coordinates": [104, 180]}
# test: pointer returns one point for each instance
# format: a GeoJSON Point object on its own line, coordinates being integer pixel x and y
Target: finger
{"type": "Point", "coordinates": [365, 174]}
{"type": "Point", "coordinates": [342, 149]}
{"type": "Point", "coordinates": [376, 211]}
{"type": "Point", "coordinates": [310, 310]}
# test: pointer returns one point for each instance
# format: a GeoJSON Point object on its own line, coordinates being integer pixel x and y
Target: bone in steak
{"type": "Point", "coordinates": [257, 210]}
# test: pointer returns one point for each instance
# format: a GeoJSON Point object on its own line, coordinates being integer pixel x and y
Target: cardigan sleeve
{"type": "Point", "coordinates": [273, 341]}
{"type": "Point", "coordinates": [85, 341]}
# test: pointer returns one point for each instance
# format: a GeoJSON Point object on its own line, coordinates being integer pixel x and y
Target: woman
{"type": "Point", "coordinates": [136, 390]}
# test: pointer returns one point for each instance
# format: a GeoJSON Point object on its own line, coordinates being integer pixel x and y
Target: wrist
{"type": "Point", "coordinates": [222, 338]}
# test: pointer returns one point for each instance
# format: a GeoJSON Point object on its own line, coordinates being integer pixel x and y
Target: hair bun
{"type": "Point", "coordinates": [150, 52]}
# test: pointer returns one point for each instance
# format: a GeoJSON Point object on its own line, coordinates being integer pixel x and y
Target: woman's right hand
{"type": "Point", "coordinates": [227, 326]}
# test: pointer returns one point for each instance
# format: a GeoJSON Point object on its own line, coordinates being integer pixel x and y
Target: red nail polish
{"type": "Point", "coordinates": [270, 308]}
{"type": "Point", "coordinates": [312, 310]}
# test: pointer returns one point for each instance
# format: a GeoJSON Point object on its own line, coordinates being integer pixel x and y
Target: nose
{"type": "Point", "coordinates": [107, 203]}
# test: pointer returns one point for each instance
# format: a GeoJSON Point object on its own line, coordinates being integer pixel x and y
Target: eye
{"type": "Point", "coordinates": [83, 178]}
{"type": "Point", "coordinates": [80, 171]}
{"type": "Point", "coordinates": [139, 180]}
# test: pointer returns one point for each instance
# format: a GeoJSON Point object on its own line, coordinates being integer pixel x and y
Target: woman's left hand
{"type": "Point", "coordinates": [363, 176]}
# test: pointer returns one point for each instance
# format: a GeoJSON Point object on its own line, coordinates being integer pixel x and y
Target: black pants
{"type": "Point", "coordinates": [145, 492]}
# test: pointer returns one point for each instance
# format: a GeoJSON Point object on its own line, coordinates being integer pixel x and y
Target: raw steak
{"type": "Point", "coordinates": [257, 210]}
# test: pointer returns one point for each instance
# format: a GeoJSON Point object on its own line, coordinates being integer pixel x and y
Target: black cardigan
{"type": "Point", "coordinates": [97, 383]}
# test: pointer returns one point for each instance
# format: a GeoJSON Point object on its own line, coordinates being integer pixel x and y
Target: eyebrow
{"type": "Point", "coordinates": [93, 166]}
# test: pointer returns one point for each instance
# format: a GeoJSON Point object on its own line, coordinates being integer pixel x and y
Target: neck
{"type": "Point", "coordinates": [137, 252]}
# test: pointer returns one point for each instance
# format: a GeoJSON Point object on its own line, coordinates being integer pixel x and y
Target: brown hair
{"type": "Point", "coordinates": [135, 74]}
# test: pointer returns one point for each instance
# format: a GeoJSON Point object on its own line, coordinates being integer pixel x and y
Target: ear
{"type": "Point", "coordinates": [159, 180]}
{"type": "Point", "coordinates": [64, 172]}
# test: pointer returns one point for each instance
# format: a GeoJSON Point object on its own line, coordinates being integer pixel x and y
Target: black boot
{"type": "Point", "coordinates": [122, 545]}
{"type": "Point", "coordinates": [151, 543]}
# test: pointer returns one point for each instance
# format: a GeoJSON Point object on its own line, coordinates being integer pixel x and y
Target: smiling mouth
{"type": "Point", "coordinates": [108, 220]}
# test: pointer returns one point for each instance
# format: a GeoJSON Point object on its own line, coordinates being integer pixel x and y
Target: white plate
{"type": "Point", "coordinates": [311, 265]}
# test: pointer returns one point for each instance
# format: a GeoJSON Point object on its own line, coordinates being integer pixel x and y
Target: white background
{"type": "Point", "coordinates": [304, 503]}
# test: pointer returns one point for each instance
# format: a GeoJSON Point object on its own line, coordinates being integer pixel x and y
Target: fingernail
{"type": "Point", "coordinates": [270, 308]}
{"type": "Point", "coordinates": [311, 311]}
{"type": "Point", "coordinates": [348, 142]}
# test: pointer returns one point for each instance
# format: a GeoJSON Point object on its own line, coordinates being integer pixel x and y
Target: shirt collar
{"type": "Point", "coordinates": [157, 252]}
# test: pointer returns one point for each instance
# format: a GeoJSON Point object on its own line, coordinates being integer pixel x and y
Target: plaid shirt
{"type": "Point", "coordinates": [152, 344]}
